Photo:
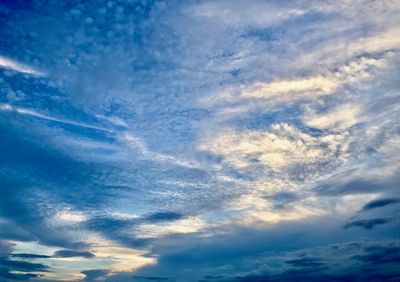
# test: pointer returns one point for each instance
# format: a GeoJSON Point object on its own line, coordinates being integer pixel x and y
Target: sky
{"type": "Point", "coordinates": [199, 140]}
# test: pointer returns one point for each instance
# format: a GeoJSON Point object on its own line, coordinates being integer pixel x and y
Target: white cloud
{"type": "Point", "coordinates": [340, 118]}
{"type": "Point", "coordinates": [236, 100]}
{"type": "Point", "coordinates": [33, 113]}
{"type": "Point", "coordinates": [237, 13]}
{"type": "Point", "coordinates": [123, 258]}
{"type": "Point", "coordinates": [278, 149]}
{"type": "Point", "coordinates": [19, 67]}
{"type": "Point", "coordinates": [68, 216]}
{"type": "Point", "coordinates": [142, 148]}
{"type": "Point", "coordinates": [182, 226]}
{"type": "Point", "coordinates": [293, 89]}
{"type": "Point", "coordinates": [332, 53]}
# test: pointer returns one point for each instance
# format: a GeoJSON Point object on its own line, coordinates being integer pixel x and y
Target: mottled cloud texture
{"type": "Point", "coordinates": [199, 140]}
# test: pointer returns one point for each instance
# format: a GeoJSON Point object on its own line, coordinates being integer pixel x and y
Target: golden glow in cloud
{"type": "Point", "coordinates": [123, 259]}
{"type": "Point", "coordinates": [284, 146]}
{"type": "Point", "coordinates": [182, 226]}
{"type": "Point", "coordinates": [311, 86]}
{"type": "Point", "coordinates": [108, 255]}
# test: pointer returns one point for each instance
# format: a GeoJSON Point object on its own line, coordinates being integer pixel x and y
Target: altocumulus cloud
{"type": "Point", "coordinates": [199, 140]}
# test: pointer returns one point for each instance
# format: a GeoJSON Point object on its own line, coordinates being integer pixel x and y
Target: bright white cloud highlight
{"type": "Point", "coordinates": [19, 67]}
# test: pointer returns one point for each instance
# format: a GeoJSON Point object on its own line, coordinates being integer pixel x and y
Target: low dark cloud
{"type": "Point", "coordinates": [368, 223]}
{"type": "Point", "coordinates": [315, 276]}
{"type": "Point", "coordinates": [153, 278]}
{"type": "Point", "coordinates": [380, 203]}
{"type": "Point", "coordinates": [8, 264]}
{"type": "Point", "coordinates": [29, 256]}
{"type": "Point", "coordinates": [380, 254]}
{"type": "Point", "coordinates": [374, 261]}
{"type": "Point", "coordinates": [5, 247]}
{"type": "Point", "coordinates": [23, 265]}
{"type": "Point", "coordinates": [211, 278]}
{"type": "Point", "coordinates": [306, 249]}
{"type": "Point", "coordinates": [93, 274]}
{"type": "Point", "coordinates": [9, 276]}
{"type": "Point", "coordinates": [357, 186]}
{"type": "Point", "coordinates": [163, 216]}
{"type": "Point", "coordinates": [73, 253]}
{"type": "Point", "coordinates": [306, 262]}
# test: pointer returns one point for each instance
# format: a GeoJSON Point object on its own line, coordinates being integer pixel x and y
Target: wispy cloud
{"type": "Point", "coordinates": [19, 67]}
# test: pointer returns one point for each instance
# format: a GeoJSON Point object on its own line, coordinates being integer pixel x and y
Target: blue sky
{"type": "Point", "coordinates": [207, 141]}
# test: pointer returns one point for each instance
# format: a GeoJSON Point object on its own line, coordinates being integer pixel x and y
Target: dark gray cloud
{"type": "Point", "coordinates": [93, 274]}
{"type": "Point", "coordinates": [9, 276]}
{"type": "Point", "coordinates": [380, 254]}
{"type": "Point", "coordinates": [9, 263]}
{"type": "Point", "coordinates": [73, 253]}
{"type": "Point", "coordinates": [23, 265]}
{"type": "Point", "coordinates": [373, 261]}
{"type": "Point", "coordinates": [357, 186]}
{"type": "Point", "coordinates": [297, 248]}
{"type": "Point", "coordinates": [29, 256]}
{"type": "Point", "coordinates": [152, 278]}
{"type": "Point", "coordinates": [315, 276]}
{"type": "Point", "coordinates": [380, 203]}
{"type": "Point", "coordinates": [306, 262]}
{"type": "Point", "coordinates": [6, 247]}
{"type": "Point", "coordinates": [369, 223]}
{"type": "Point", "coordinates": [163, 216]}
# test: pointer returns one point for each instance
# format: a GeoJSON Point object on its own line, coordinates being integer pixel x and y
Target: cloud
{"type": "Point", "coordinates": [380, 203]}
{"type": "Point", "coordinates": [94, 274]}
{"type": "Point", "coordinates": [340, 118]}
{"type": "Point", "coordinates": [282, 147]}
{"type": "Point", "coordinates": [380, 254]}
{"type": "Point", "coordinates": [18, 67]}
{"type": "Point", "coordinates": [163, 216]}
{"type": "Point", "coordinates": [283, 198]}
{"type": "Point", "coordinates": [210, 140]}
{"type": "Point", "coordinates": [23, 265]}
{"type": "Point", "coordinates": [306, 262]}
{"type": "Point", "coordinates": [153, 278]}
{"type": "Point", "coordinates": [373, 255]}
{"type": "Point", "coordinates": [157, 228]}
{"type": "Point", "coordinates": [73, 253]}
{"type": "Point", "coordinates": [312, 86]}
{"type": "Point", "coordinates": [29, 256]}
{"type": "Point", "coordinates": [142, 148]}
{"type": "Point", "coordinates": [375, 43]}
{"type": "Point", "coordinates": [357, 185]}
{"type": "Point", "coordinates": [124, 258]}
{"type": "Point", "coordinates": [29, 112]}
{"type": "Point", "coordinates": [6, 247]}
{"type": "Point", "coordinates": [235, 13]}
{"type": "Point", "coordinates": [292, 250]}
{"type": "Point", "coordinates": [4, 273]}
{"type": "Point", "coordinates": [369, 223]}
